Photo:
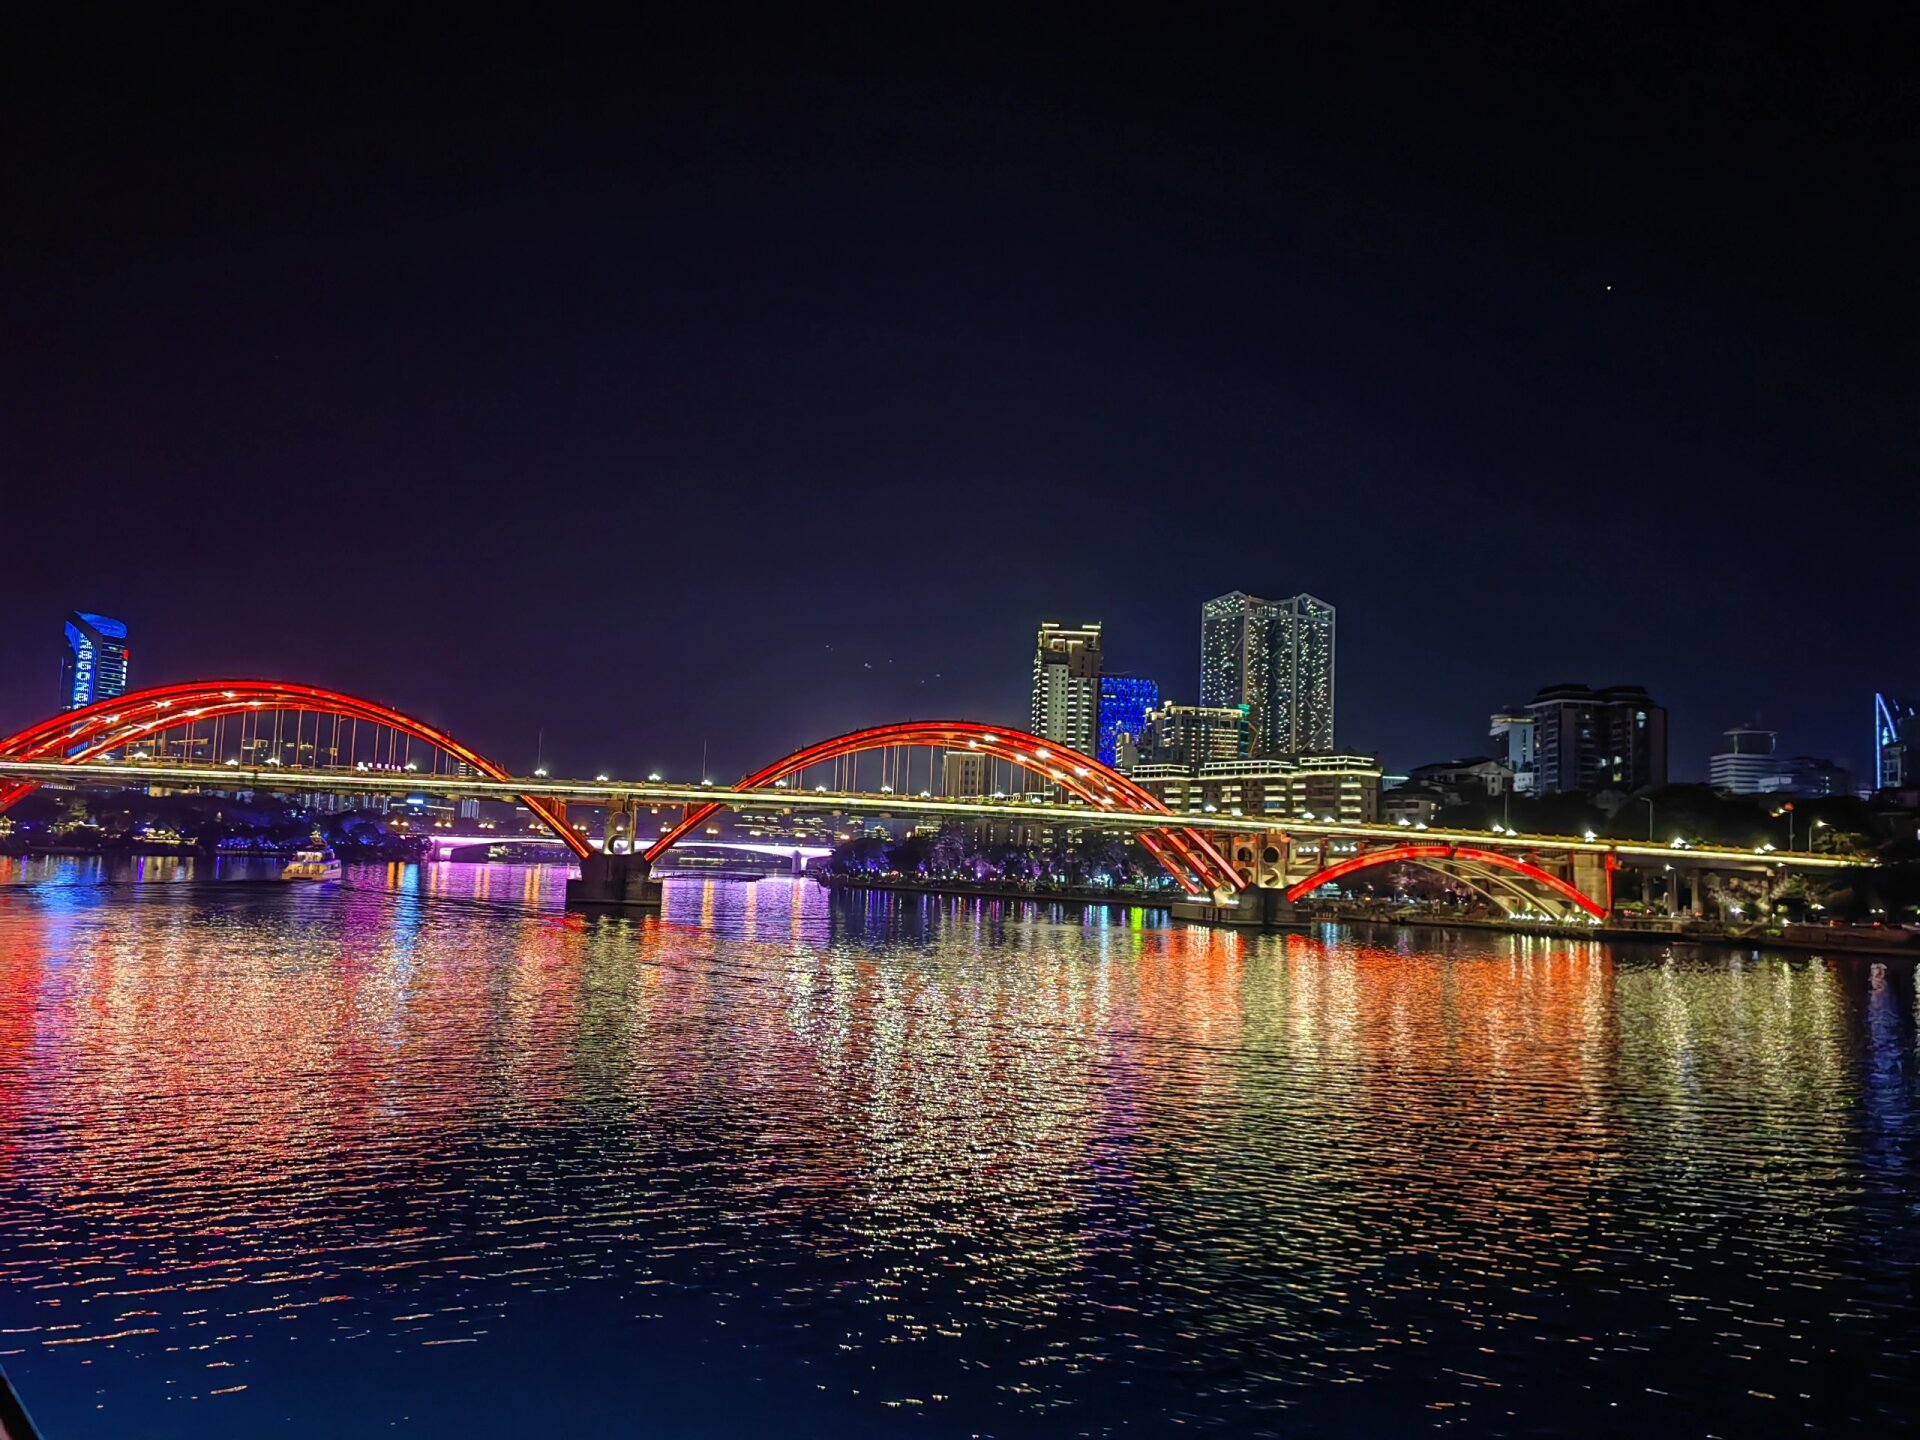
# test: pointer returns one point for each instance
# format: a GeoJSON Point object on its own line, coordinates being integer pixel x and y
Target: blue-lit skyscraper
{"type": "Point", "coordinates": [95, 665]}
{"type": "Point", "coordinates": [1124, 703]}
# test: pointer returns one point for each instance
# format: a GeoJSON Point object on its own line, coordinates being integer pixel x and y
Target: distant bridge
{"type": "Point", "coordinates": [1219, 857]}
{"type": "Point", "coordinates": [764, 849]}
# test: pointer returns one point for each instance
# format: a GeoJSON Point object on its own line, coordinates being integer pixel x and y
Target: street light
{"type": "Point", "coordinates": [1647, 800]}
{"type": "Point", "coordinates": [1813, 838]}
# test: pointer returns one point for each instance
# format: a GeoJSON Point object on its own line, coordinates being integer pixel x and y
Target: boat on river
{"type": "Point", "coordinates": [316, 862]}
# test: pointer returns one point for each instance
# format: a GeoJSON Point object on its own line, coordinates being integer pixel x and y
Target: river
{"type": "Point", "coordinates": [419, 1154]}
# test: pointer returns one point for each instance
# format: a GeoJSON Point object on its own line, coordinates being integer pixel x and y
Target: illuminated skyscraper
{"type": "Point", "coordinates": [95, 665]}
{"type": "Point", "coordinates": [1236, 657]}
{"type": "Point", "coordinates": [1302, 711]}
{"type": "Point", "coordinates": [1276, 658]}
{"type": "Point", "coordinates": [1124, 703]}
{"type": "Point", "coordinates": [1066, 686]}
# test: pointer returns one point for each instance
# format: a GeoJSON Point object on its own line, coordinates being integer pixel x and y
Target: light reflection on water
{"type": "Point", "coordinates": [420, 1151]}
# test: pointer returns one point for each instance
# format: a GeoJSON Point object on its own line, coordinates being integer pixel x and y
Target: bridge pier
{"type": "Point", "coordinates": [1259, 908]}
{"type": "Point", "coordinates": [608, 882]}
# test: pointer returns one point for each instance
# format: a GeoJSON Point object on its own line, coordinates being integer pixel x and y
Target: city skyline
{"type": "Point", "coordinates": [1028, 713]}
{"type": "Point", "coordinates": [705, 357]}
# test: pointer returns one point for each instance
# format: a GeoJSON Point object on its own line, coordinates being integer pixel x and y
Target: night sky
{"type": "Point", "coordinates": [656, 387]}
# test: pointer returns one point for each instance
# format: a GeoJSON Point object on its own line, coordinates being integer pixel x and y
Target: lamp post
{"type": "Point", "coordinates": [1813, 835]}
{"type": "Point", "coordinates": [1647, 800]}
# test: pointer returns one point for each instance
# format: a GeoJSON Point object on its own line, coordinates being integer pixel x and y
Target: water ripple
{"type": "Point", "coordinates": [420, 1154]}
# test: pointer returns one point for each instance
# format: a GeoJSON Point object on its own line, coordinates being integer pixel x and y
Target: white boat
{"type": "Point", "coordinates": [316, 862]}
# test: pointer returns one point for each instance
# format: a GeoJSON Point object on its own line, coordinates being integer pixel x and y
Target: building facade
{"type": "Point", "coordinates": [963, 774]}
{"type": "Point", "coordinates": [1066, 686]}
{"type": "Point", "coordinates": [1125, 703]}
{"type": "Point", "coordinates": [1236, 656]}
{"type": "Point", "coordinates": [1192, 735]}
{"type": "Point", "coordinates": [1276, 657]}
{"type": "Point", "coordinates": [1512, 733]}
{"type": "Point", "coordinates": [1302, 707]}
{"type": "Point", "coordinates": [94, 666]}
{"type": "Point", "coordinates": [1412, 805]}
{"type": "Point", "coordinates": [1343, 789]}
{"type": "Point", "coordinates": [1336, 787]}
{"type": "Point", "coordinates": [1896, 742]}
{"type": "Point", "coordinates": [1591, 740]}
{"type": "Point", "coordinates": [1807, 777]}
{"type": "Point", "coordinates": [1745, 763]}
{"type": "Point", "coordinates": [1473, 778]}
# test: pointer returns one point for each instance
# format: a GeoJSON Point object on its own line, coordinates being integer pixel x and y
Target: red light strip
{"type": "Point", "coordinates": [1395, 854]}
{"type": "Point", "coordinates": [1097, 784]}
{"type": "Point", "coordinates": [79, 735]}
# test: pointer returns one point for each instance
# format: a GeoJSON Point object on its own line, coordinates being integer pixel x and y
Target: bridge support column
{"type": "Point", "coordinates": [1277, 912]}
{"type": "Point", "coordinates": [1256, 908]}
{"type": "Point", "coordinates": [622, 882]}
{"type": "Point", "coordinates": [1592, 877]}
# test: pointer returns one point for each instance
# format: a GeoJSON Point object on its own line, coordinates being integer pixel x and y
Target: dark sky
{"type": "Point", "coordinates": [657, 387]}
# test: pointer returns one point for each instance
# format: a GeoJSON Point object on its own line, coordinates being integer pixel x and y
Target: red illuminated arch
{"type": "Point", "coordinates": [1466, 857]}
{"type": "Point", "coordinates": [1185, 853]}
{"type": "Point", "coordinates": [76, 736]}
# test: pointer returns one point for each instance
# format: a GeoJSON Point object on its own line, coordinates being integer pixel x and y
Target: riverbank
{"type": "Point", "coordinates": [1838, 939]}
{"type": "Point", "coordinates": [1849, 940]}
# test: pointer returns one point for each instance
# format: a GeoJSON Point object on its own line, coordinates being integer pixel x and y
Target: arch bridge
{"type": "Point", "coordinates": [215, 716]}
{"type": "Point", "coordinates": [279, 737]}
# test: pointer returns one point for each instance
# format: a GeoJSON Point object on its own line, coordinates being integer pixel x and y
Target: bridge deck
{"type": "Point", "coordinates": [662, 794]}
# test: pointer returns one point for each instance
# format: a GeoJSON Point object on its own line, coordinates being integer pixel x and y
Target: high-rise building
{"type": "Point", "coordinates": [1302, 709]}
{"type": "Point", "coordinates": [1896, 742]}
{"type": "Point", "coordinates": [1125, 702]}
{"type": "Point", "coordinates": [1276, 657]}
{"type": "Point", "coordinates": [1236, 656]}
{"type": "Point", "coordinates": [1513, 729]}
{"type": "Point", "coordinates": [95, 664]}
{"type": "Point", "coordinates": [1747, 762]}
{"type": "Point", "coordinates": [1193, 735]}
{"type": "Point", "coordinates": [1066, 686]}
{"type": "Point", "coordinates": [1588, 740]}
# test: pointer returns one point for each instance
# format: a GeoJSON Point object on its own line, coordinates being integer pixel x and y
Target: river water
{"type": "Point", "coordinates": [418, 1154]}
